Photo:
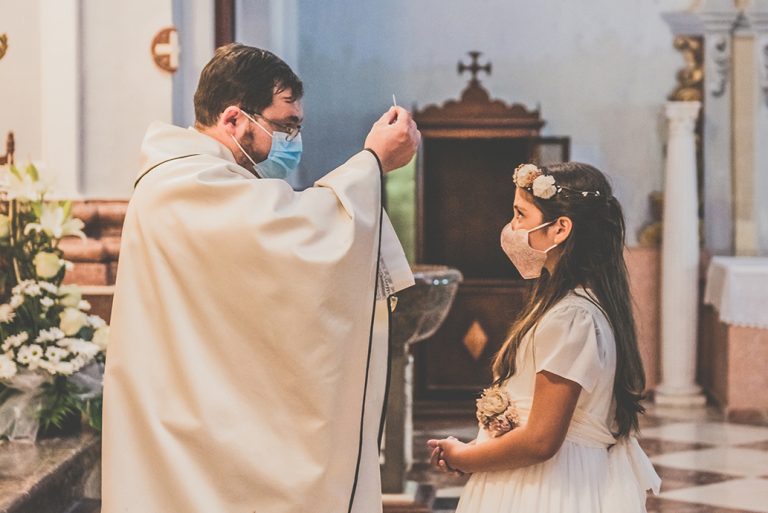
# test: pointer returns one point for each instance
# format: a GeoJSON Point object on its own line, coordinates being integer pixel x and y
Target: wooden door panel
{"type": "Point", "coordinates": [445, 365]}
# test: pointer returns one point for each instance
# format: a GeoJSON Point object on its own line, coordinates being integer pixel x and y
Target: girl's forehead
{"type": "Point", "coordinates": [521, 200]}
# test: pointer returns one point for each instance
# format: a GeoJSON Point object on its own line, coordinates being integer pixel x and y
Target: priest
{"type": "Point", "coordinates": [247, 365]}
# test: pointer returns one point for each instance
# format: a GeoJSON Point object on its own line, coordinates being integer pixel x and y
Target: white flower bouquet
{"type": "Point", "coordinates": [496, 412]}
{"type": "Point", "coordinates": [51, 350]}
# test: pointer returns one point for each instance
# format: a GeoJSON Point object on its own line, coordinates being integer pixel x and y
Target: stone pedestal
{"type": "Point", "coordinates": [51, 475]}
{"type": "Point", "coordinates": [420, 311]}
{"type": "Point", "coordinates": [680, 262]}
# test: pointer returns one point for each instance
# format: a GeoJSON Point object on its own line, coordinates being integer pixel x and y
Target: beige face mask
{"type": "Point", "coordinates": [528, 261]}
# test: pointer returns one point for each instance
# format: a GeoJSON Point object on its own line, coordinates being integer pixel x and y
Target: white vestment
{"type": "Point", "coordinates": [247, 363]}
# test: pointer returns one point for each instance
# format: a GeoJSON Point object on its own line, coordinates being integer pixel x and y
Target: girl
{"type": "Point", "coordinates": [557, 426]}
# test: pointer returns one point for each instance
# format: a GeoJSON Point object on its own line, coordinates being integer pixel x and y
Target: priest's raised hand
{"type": "Point", "coordinates": [394, 138]}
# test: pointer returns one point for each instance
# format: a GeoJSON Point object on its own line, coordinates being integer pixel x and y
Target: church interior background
{"type": "Point", "coordinates": [668, 97]}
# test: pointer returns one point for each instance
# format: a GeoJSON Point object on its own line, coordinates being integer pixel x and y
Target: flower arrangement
{"type": "Point", "coordinates": [51, 350]}
{"type": "Point", "coordinates": [496, 411]}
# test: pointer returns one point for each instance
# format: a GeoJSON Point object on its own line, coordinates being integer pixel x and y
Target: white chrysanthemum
{"type": "Point", "coordinates": [15, 340]}
{"type": "Point", "coordinates": [6, 313]}
{"type": "Point", "coordinates": [33, 290]}
{"type": "Point", "coordinates": [84, 305]}
{"type": "Point", "coordinates": [71, 321]}
{"type": "Point", "coordinates": [29, 355]}
{"type": "Point", "coordinates": [25, 355]}
{"type": "Point", "coordinates": [16, 301]}
{"type": "Point", "coordinates": [35, 351]}
{"type": "Point", "coordinates": [50, 335]}
{"type": "Point", "coordinates": [96, 322]}
{"type": "Point", "coordinates": [8, 367]}
{"type": "Point", "coordinates": [48, 287]}
{"type": "Point", "coordinates": [64, 368]}
{"type": "Point", "coordinates": [47, 302]}
{"type": "Point", "coordinates": [84, 348]}
{"type": "Point", "coordinates": [55, 354]}
{"type": "Point", "coordinates": [55, 222]}
{"type": "Point", "coordinates": [65, 342]}
{"type": "Point", "coordinates": [544, 187]}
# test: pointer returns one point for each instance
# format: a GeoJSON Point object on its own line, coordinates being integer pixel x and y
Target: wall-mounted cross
{"type": "Point", "coordinates": [165, 49]}
{"type": "Point", "coordinates": [475, 67]}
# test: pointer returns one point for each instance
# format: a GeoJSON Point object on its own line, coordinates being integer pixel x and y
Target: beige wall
{"type": "Point", "coordinates": [20, 77]}
{"type": "Point", "coordinates": [78, 86]}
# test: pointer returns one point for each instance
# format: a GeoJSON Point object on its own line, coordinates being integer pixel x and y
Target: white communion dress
{"type": "Point", "coordinates": [593, 472]}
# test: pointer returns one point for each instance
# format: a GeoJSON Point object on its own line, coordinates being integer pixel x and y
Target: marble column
{"type": "Point", "coordinates": [757, 16]}
{"type": "Point", "coordinates": [680, 262]}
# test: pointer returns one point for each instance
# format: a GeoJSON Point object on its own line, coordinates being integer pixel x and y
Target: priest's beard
{"type": "Point", "coordinates": [247, 144]}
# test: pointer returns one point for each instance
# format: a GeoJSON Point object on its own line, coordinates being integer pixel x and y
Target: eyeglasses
{"type": "Point", "coordinates": [292, 131]}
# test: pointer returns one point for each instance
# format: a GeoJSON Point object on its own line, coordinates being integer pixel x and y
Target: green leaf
{"type": "Point", "coordinates": [15, 171]}
{"type": "Point", "coordinates": [37, 209]}
{"type": "Point", "coordinates": [93, 412]}
{"type": "Point", "coordinates": [67, 206]}
{"type": "Point", "coordinates": [59, 402]}
{"type": "Point", "coordinates": [32, 172]}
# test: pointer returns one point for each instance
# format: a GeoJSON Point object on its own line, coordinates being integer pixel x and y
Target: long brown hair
{"type": "Point", "coordinates": [592, 257]}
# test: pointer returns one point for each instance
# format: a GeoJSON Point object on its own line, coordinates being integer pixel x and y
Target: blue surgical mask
{"type": "Point", "coordinates": [284, 155]}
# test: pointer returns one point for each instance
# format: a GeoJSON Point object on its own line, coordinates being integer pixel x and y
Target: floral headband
{"type": "Point", "coordinates": [531, 178]}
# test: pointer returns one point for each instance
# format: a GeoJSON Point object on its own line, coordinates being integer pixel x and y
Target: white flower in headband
{"type": "Point", "coordinates": [544, 187]}
{"type": "Point", "coordinates": [525, 174]}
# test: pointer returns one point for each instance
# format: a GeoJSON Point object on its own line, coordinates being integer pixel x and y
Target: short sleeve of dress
{"type": "Point", "coordinates": [566, 343]}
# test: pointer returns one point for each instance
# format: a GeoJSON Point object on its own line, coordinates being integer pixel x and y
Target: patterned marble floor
{"type": "Point", "coordinates": [707, 464]}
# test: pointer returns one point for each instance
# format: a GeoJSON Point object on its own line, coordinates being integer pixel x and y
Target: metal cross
{"type": "Point", "coordinates": [474, 68]}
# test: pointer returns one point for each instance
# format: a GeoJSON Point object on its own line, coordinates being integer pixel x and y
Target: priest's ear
{"type": "Point", "coordinates": [231, 118]}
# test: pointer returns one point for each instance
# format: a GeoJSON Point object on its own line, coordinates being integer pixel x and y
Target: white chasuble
{"type": "Point", "coordinates": [248, 355]}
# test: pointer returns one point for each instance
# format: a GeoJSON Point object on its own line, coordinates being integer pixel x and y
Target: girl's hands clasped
{"type": "Point", "coordinates": [446, 455]}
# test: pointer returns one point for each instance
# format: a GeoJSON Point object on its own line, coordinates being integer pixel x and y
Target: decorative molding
{"type": "Point", "coordinates": [476, 109]}
{"type": "Point", "coordinates": [3, 45]}
{"type": "Point", "coordinates": [475, 340]}
{"type": "Point", "coordinates": [690, 79]}
{"type": "Point", "coordinates": [720, 48]}
{"type": "Point", "coordinates": [682, 116]}
{"type": "Point", "coordinates": [165, 49]}
{"type": "Point", "coordinates": [757, 17]}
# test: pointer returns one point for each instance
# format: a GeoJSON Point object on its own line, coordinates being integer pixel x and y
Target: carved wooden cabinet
{"type": "Point", "coordinates": [465, 194]}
